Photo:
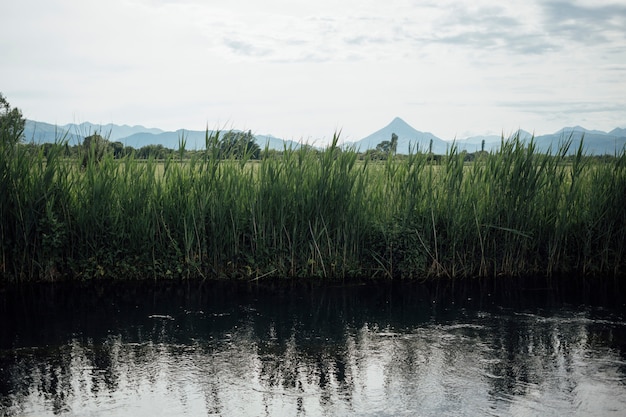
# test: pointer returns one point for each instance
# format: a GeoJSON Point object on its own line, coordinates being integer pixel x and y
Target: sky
{"type": "Point", "coordinates": [304, 70]}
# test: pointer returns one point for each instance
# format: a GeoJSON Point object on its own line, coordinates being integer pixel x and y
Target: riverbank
{"type": "Point", "coordinates": [308, 214]}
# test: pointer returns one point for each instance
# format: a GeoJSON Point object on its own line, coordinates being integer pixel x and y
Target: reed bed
{"type": "Point", "coordinates": [514, 212]}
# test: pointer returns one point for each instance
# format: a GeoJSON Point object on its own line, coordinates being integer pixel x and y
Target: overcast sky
{"type": "Point", "coordinates": [304, 69]}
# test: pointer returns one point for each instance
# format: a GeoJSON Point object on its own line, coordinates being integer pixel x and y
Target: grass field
{"type": "Point", "coordinates": [325, 214]}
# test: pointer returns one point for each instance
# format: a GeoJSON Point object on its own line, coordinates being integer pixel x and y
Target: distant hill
{"type": "Point", "coordinates": [110, 131]}
{"type": "Point", "coordinates": [618, 132]}
{"type": "Point", "coordinates": [595, 142]}
{"type": "Point", "coordinates": [492, 142]}
{"type": "Point", "coordinates": [408, 139]}
{"type": "Point", "coordinates": [134, 136]}
{"type": "Point", "coordinates": [170, 140]}
{"type": "Point", "coordinates": [195, 139]}
{"type": "Point", "coordinates": [275, 143]}
{"type": "Point", "coordinates": [40, 132]}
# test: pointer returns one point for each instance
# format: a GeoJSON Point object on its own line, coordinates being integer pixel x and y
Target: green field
{"type": "Point", "coordinates": [305, 213]}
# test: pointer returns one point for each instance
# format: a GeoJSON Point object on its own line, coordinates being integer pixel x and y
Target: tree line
{"type": "Point", "coordinates": [229, 145]}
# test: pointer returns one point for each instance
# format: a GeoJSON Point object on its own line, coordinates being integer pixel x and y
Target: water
{"type": "Point", "coordinates": [142, 349]}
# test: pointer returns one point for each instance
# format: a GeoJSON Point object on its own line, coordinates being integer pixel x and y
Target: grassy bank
{"type": "Point", "coordinates": [310, 214]}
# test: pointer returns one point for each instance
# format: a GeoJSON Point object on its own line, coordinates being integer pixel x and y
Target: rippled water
{"type": "Point", "coordinates": [143, 349]}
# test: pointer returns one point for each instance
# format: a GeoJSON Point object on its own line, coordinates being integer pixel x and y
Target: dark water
{"type": "Point", "coordinates": [143, 349]}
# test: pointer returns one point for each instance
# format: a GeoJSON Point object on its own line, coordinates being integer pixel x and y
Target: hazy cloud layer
{"type": "Point", "coordinates": [302, 69]}
{"type": "Point", "coordinates": [590, 24]}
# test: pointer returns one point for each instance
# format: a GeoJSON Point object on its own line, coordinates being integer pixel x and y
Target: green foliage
{"type": "Point", "coordinates": [303, 213]}
{"type": "Point", "coordinates": [153, 151]}
{"type": "Point", "coordinates": [393, 144]}
{"type": "Point", "coordinates": [384, 147]}
{"type": "Point", "coordinates": [94, 149]}
{"type": "Point", "coordinates": [238, 145]}
{"type": "Point", "coordinates": [118, 149]}
{"type": "Point", "coordinates": [11, 123]}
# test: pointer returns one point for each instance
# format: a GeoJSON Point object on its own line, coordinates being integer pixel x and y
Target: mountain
{"type": "Point", "coordinates": [135, 136]}
{"type": "Point", "coordinates": [595, 142]}
{"type": "Point", "coordinates": [40, 132]}
{"type": "Point", "coordinates": [492, 142]}
{"type": "Point", "coordinates": [618, 132]}
{"type": "Point", "coordinates": [474, 143]}
{"type": "Point", "coordinates": [578, 129]}
{"type": "Point", "coordinates": [110, 131]}
{"type": "Point", "coordinates": [408, 139]}
{"type": "Point", "coordinates": [275, 143]}
{"type": "Point", "coordinates": [194, 139]}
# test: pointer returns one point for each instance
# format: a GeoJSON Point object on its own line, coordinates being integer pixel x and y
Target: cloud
{"type": "Point", "coordinates": [488, 28]}
{"type": "Point", "coordinates": [587, 24]}
{"type": "Point", "coordinates": [360, 40]}
{"type": "Point", "coordinates": [407, 29]}
{"type": "Point", "coordinates": [247, 49]}
{"type": "Point", "coordinates": [532, 28]}
{"type": "Point", "coordinates": [541, 107]}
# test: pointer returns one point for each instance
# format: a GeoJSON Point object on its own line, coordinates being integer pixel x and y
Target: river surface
{"type": "Point", "coordinates": [191, 349]}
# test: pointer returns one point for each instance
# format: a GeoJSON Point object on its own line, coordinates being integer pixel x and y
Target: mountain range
{"type": "Point", "coordinates": [135, 136]}
{"type": "Point", "coordinates": [409, 139]}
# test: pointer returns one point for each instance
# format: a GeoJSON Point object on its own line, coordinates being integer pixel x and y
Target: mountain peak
{"type": "Point", "coordinates": [408, 138]}
{"type": "Point", "coordinates": [579, 129]}
{"type": "Point", "coordinates": [397, 121]}
{"type": "Point", "coordinates": [618, 132]}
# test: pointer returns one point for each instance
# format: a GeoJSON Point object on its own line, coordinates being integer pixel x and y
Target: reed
{"type": "Point", "coordinates": [308, 213]}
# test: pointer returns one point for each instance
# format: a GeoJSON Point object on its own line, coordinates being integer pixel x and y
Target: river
{"type": "Point", "coordinates": [270, 349]}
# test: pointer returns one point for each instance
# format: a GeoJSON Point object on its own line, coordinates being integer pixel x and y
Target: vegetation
{"type": "Point", "coordinates": [305, 213]}
{"type": "Point", "coordinates": [238, 145]}
{"type": "Point", "coordinates": [384, 149]}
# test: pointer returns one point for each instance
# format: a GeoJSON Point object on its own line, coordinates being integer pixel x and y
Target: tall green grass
{"type": "Point", "coordinates": [306, 213]}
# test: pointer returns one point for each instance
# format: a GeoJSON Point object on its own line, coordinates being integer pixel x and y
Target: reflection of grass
{"type": "Point", "coordinates": [308, 213]}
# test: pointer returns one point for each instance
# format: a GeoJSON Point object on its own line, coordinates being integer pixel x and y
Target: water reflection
{"type": "Point", "coordinates": [172, 350]}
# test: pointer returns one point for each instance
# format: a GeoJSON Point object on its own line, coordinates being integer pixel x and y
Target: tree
{"type": "Point", "coordinates": [94, 149]}
{"type": "Point", "coordinates": [239, 145]}
{"type": "Point", "coordinates": [118, 149]}
{"type": "Point", "coordinates": [153, 151]}
{"type": "Point", "coordinates": [393, 143]}
{"type": "Point", "coordinates": [128, 150]}
{"type": "Point", "coordinates": [384, 146]}
{"type": "Point", "coordinates": [11, 123]}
